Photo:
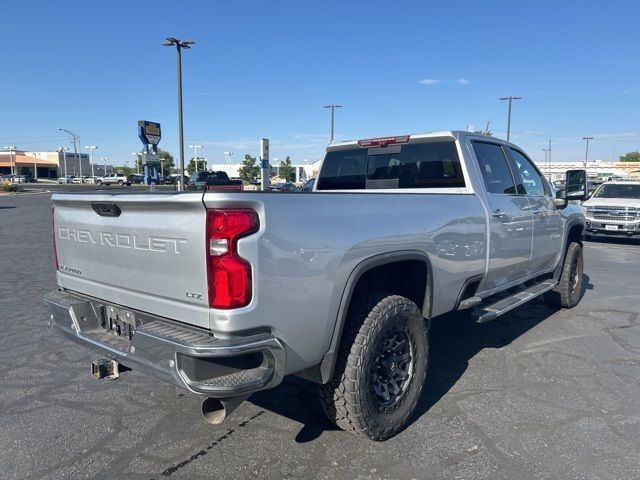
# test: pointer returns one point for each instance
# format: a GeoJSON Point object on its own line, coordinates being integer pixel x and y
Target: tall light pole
{"type": "Point", "coordinates": [91, 148]}
{"type": "Point", "coordinates": [510, 99]}
{"type": "Point", "coordinates": [228, 155]}
{"type": "Point", "coordinates": [195, 153]}
{"type": "Point", "coordinates": [64, 158]}
{"type": "Point", "coordinates": [104, 162]}
{"type": "Point", "coordinates": [76, 146]}
{"type": "Point", "coordinates": [138, 161]}
{"type": "Point", "coordinates": [546, 165]}
{"type": "Point", "coordinates": [179, 44]}
{"type": "Point", "coordinates": [586, 153]}
{"type": "Point", "coordinates": [12, 162]}
{"type": "Point", "coordinates": [333, 117]}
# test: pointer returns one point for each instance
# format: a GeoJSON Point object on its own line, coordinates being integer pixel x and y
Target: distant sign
{"type": "Point", "coordinates": [149, 132]}
{"type": "Point", "coordinates": [264, 149]}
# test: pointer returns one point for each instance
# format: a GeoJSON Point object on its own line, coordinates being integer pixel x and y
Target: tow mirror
{"type": "Point", "coordinates": [561, 198]}
{"type": "Point", "coordinates": [576, 185]}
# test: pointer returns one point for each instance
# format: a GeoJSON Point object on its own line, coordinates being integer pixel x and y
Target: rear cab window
{"type": "Point", "coordinates": [421, 164]}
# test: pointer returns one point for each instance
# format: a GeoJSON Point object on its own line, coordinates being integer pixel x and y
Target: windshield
{"type": "Point", "coordinates": [613, 190]}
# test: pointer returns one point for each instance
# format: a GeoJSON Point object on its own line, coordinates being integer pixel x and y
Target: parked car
{"type": "Point", "coordinates": [221, 181]}
{"type": "Point", "coordinates": [282, 187]}
{"type": "Point", "coordinates": [308, 185]}
{"type": "Point", "coordinates": [209, 298]}
{"type": "Point", "coordinates": [197, 181]}
{"type": "Point", "coordinates": [113, 178]}
{"type": "Point", "coordinates": [135, 178]}
{"type": "Point", "coordinates": [613, 210]}
{"type": "Point", "coordinates": [67, 179]}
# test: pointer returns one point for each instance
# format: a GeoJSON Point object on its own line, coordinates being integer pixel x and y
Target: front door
{"type": "Point", "coordinates": [510, 218]}
{"type": "Point", "coordinates": [548, 226]}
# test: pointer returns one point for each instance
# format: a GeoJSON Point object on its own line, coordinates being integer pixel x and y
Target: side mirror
{"type": "Point", "coordinates": [561, 198]}
{"type": "Point", "coordinates": [576, 187]}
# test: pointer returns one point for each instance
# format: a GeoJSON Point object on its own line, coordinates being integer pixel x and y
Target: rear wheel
{"type": "Point", "coordinates": [381, 367]}
{"type": "Point", "coordinates": [569, 289]}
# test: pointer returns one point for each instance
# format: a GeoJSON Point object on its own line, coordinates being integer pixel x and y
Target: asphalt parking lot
{"type": "Point", "coordinates": [538, 394]}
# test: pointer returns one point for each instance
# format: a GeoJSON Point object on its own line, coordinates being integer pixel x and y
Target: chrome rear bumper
{"type": "Point", "coordinates": [185, 356]}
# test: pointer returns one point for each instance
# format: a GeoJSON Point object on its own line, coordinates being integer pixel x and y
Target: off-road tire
{"type": "Point", "coordinates": [569, 289]}
{"type": "Point", "coordinates": [349, 399]}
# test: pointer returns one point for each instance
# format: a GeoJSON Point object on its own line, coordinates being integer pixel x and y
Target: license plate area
{"type": "Point", "coordinates": [611, 227]}
{"type": "Point", "coordinates": [119, 322]}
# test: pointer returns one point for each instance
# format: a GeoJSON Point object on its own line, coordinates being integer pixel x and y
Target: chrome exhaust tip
{"type": "Point", "coordinates": [216, 410]}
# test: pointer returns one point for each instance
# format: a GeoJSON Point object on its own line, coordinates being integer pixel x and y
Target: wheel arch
{"type": "Point", "coordinates": [574, 231]}
{"type": "Point", "coordinates": [360, 276]}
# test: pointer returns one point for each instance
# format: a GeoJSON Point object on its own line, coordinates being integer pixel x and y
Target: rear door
{"type": "Point", "coordinates": [510, 217]}
{"type": "Point", "coordinates": [547, 222]}
{"type": "Point", "coordinates": [142, 251]}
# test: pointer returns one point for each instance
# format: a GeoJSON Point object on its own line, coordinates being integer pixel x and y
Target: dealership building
{"type": "Point", "coordinates": [49, 165]}
{"type": "Point", "coordinates": [595, 169]}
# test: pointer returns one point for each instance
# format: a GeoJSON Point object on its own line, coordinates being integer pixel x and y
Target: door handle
{"type": "Point", "coordinates": [499, 213]}
{"type": "Point", "coordinates": [537, 211]}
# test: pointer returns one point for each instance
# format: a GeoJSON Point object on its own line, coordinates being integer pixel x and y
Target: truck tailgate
{"type": "Point", "coordinates": [143, 251]}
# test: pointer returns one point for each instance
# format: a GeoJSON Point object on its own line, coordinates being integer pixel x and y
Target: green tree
{"type": "Point", "coordinates": [249, 171]}
{"type": "Point", "coordinates": [630, 157]}
{"type": "Point", "coordinates": [191, 167]}
{"type": "Point", "coordinates": [287, 172]}
{"type": "Point", "coordinates": [166, 160]}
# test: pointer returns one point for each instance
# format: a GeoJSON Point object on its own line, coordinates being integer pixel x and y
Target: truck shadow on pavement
{"type": "Point", "coordinates": [455, 339]}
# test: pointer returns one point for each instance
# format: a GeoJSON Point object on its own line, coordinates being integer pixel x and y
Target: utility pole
{"type": "Point", "coordinates": [228, 155]}
{"type": "Point", "coordinates": [509, 99]}
{"type": "Point", "coordinates": [549, 168]}
{"type": "Point", "coordinates": [546, 151]}
{"type": "Point", "coordinates": [195, 153]}
{"type": "Point", "coordinates": [104, 160]}
{"type": "Point", "coordinates": [180, 44]}
{"type": "Point", "coordinates": [91, 148]}
{"type": "Point", "coordinates": [76, 145]}
{"type": "Point", "coordinates": [64, 158]}
{"type": "Point", "coordinates": [12, 162]}
{"type": "Point", "coordinates": [586, 153]}
{"type": "Point", "coordinates": [333, 117]}
{"type": "Point", "coordinates": [138, 161]}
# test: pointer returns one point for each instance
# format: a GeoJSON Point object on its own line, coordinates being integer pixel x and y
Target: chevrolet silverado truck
{"type": "Point", "coordinates": [225, 293]}
{"type": "Point", "coordinates": [613, 210]}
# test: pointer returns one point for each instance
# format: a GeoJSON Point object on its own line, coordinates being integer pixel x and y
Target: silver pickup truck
{"type": "Point", "coordinates": [613, 210]}
{"type": "Point", "coordinates": [224, 294]}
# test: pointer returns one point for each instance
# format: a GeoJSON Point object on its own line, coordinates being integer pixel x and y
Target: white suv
{"type": "Point", "coordinates": [111, 178]}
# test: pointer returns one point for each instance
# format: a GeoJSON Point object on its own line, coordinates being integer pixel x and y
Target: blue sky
{"type": "Point", "coordinates": [265, 69]}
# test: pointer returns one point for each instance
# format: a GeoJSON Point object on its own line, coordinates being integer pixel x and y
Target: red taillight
{"type": "Point", "coordinates": [383, 142]}
{"type": "Point", "coordinates": [228, 275]}
{"type": "Point", "coordinates": [53, 232]}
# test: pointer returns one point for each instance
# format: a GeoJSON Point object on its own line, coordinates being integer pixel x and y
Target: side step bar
{"type": "Point", "coordinates": [504, 305]}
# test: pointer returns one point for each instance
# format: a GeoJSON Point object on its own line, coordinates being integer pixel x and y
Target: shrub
{"type": "Point", "coordinates": [7, 186]}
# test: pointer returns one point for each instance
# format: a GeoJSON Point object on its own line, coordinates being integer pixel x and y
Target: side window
{"type": "Point", "coordinates": [533, 183]}
{"type": "Point", "coordinates": [494, 168]}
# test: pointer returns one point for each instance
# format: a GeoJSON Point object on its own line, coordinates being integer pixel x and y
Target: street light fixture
{"type": "Point", "coordinates": [104, 160]}
{"type": "Point", "coordinates": [510, 99]}
{"type": "Point", "coordinates": [91, 148]}
{"type": "Point", "coordinates": [12, 162]}
{"type": "Point", "coordinates": [333, 116]}
{"type": "Point", "coordinates": [76, 146]}
{"type": "Point", "coordinates": [195, 154]}
{"type": "Point", "coordinates": [228, 155]}
{"type": "Point", "coordinates": [586, 153]}
{"type": "Point", "coordinates": [179, 44]}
